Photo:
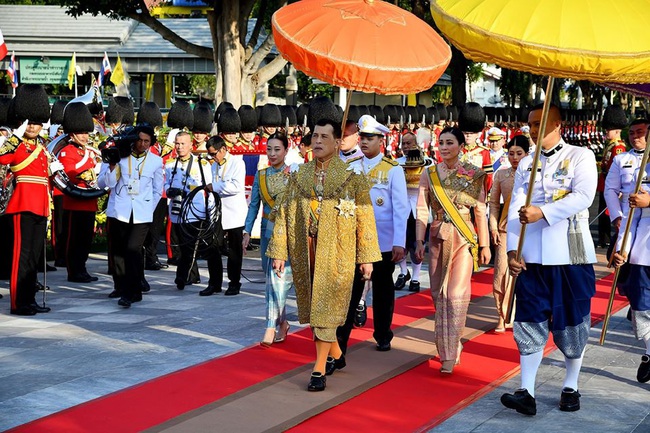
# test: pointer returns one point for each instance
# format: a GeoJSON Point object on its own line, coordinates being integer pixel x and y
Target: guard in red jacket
{"type": "Point", "coordinates": [471, 121]}
{"type": "Point", "coordinates": [29, 206]}
{"type": "Point", "coordinates": [79, 161]}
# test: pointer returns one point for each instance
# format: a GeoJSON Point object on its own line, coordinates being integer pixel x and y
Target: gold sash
{"type": "Point", "coordinates": [450, 209]}
{"type": "Point", "coordinates": [504, 210]}
{"type": "Point", "coordinates": [264, 190]}
{"type": "Point", "coordinates": [32, 156]}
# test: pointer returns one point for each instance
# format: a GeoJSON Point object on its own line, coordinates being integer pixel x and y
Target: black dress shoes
{"type": "Point", "coordinates": [50, 268]}
{"type": "Point", "coordinates": [233, 289]}
{"type": "Point", "coordinates": [124, 302]}
{"type": "Point", "coordinates": [87, 275]}
{"type": "Point", "coordinates": [40, 309]}
{"type": "Point", "coordinates": [383, 346]}
{"type": "Point", "coordinates": [172, 261]}
{"type": "Point", "coordinates": [180, 284]}
{"type": "Point", "coordinates": [643, 373]}
{"type": "Point", "coordinates": [316, 382]}
{"type": "Point", "coordinates": [569, 400]}
{"type": "Point", "coordinates": [414, 286]}
{"type": "Point", "coordinates": [81, 278]}
{"type": "Point", "coordinates": [521, 401]}
{"type": "Point", "coordinates": [24, 311]}
{"type": "Point", "coordinates": [136, 297]}
{"type": "Point", "coordinates": [334, 364]}
{"type": "Point", "coordinates": [144, 286]}
{"type": "Point", "coordinates": [114, 294]}
{"type": "Point", "coordinates": [210, 290]}
{"type": "Point", "coordinates": [401, 280]}
{"type": "Point", "coordinates": [155, 266]}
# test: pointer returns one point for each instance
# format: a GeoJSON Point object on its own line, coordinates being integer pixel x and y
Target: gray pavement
{"type": "Point", "coordinates": [88, 347]}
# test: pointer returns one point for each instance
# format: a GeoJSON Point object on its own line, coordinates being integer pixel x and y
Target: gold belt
{"type": "Point", "coordinates": [32, 179]}
{"type": "Point", "coordinates": [445, 218]}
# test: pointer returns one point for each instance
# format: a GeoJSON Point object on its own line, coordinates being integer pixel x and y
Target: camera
{"type": "Point", "coordinates": [176, 205]}
{"type": "Point", "coordinates": [118, 146]}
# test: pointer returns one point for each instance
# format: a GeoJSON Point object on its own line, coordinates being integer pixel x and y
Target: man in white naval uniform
{"type": "Point", "coordinates": [228, 180]}
{"type": "Point", "coordinates": [136, 183]}
{"type": "Point", "coordinates": [556, 279]}
{"type": "Point", "coordinates": [636, 287]}
{"type": "Point", "coordinates": [391, 206]}
{"type": "Point", "coordinates": [621, 177]}
{"type": "Point", "coordinates": [183, 174]}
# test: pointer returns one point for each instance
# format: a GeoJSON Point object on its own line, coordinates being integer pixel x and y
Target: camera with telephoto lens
{"type": "Point", "coordinates": [176, 195]}
{"type": "Point", "coordinates": [118, 146]}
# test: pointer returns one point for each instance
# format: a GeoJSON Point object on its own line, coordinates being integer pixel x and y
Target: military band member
{"type": "Point", "coordinates": [555, 277]}
{"type": "Point", "coordinates": [270, 119]}
{"type": "Point", "coordinates": [471, 120]}
{"type": "Point", "coordinates": [202, 126]}
{"type": "Point", "coordinates": [636, 286]}
{"type": "Point", "coordinates": [324, 197]}
{"type": "Point", "coordinates": [29, 205]}
{"type": "Point", "coordinates": [614, 120]}
{"type": "Point", "coordinates": [247, 136]}
{"type": "Point", "coordinates": [391, 208]}
{"type": "Point", "coordinates": [182, 175]}
{"type": "Point", "coordinates": [79, 162]}
{"type": "Point", "coordinates": [136, 184]}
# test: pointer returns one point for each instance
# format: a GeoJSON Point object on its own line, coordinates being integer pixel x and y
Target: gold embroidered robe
{"type": "Point", "coordinates": [344, 241]}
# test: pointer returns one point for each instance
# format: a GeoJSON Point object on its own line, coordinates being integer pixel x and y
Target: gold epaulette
{"type": "Point", "coordinates": [350, 161]}
{"type": "Point", "coordinates": [10, 145]}
{"type": "Point", "coordinates": [204, 162]}
{"type": "Point", "coordinates": [390, 161]}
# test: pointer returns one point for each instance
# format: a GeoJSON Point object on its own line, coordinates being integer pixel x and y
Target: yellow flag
{"type": "Point", "coordinates": [117, 76]}
{"type": "Point", "coordinates": [71, 71]}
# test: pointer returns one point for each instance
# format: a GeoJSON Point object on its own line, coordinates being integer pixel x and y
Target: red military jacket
{"type": "Point", "coordinates": [29, 163]}
{"type": "Point", "coordinates": [479, 156]}
{"type": "Point", "coordinates": [612, 148]}
{"type": "Point", "coordinates": [79, 164]}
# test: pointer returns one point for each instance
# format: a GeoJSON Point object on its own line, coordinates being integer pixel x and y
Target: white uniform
{"type": "Point", "coordinates": [136, 187]}
{"type": "Point", "coordinates": [229, 182]}
{"type": "Point", "coordinates": [639, 239]}
{"type": "Point", "coordinates": [621, 179]}
{"type": "Point", "coordinates": [565, 187]}
{"type": "Point", "coordinates": [176, 176]}
{"type": "Point", "coordinates": [389, 199]}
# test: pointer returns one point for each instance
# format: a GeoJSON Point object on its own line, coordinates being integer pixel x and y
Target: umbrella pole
{"type": "Point", "coordinates": [531, 184]}
{"type": "Point", "coordinates": [626, 235]}
{"type": "Point", "coordinates": [347, 110]}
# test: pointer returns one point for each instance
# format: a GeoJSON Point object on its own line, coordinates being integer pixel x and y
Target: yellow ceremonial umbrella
{"type": "Point", "coordinates": [559, 38]}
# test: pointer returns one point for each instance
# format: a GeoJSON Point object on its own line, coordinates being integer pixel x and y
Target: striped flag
{"type": "Point", "coordinates": [3, 46]}
{"type": "Point", "coordinates": [11, 71]}
{"type": "Point", "coordinates": [104, 70]}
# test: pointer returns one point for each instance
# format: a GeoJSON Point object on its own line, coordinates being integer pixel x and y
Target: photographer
{"type": "Point", "coordinates": [190, 214]}
{"type": "Point", "coordinates": [135, 180]}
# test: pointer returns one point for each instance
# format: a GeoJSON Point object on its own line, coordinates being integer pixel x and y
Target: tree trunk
{"type": "Point", "coordinates": [228, 25]}
{"type": "Point", "coordinates": [218, 88]}
{"type": "Point", "coordinates": [458, 77]}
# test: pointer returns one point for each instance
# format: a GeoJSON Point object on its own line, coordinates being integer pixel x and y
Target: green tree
{"type": "Point", "coordinates": [238, 65]}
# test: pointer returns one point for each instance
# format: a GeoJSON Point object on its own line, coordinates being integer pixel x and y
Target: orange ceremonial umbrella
{"type": "Point", "coordinates": [364, 45]}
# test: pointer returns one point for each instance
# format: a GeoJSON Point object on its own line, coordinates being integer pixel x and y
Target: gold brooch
{"type": "Point", "coordinates": [346, 207]}
{"type": "Point", "coordinates": [379, 201]}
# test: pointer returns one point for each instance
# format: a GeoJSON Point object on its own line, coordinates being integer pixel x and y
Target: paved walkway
{"type": "Point", "coordinates": [88, 347]}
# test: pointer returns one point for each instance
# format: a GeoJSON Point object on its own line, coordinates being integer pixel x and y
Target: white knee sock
{"type": "Point", "coordinates": [416, 272]}
{"type": "Point", "coordinates": [402, 267]}
{"type": "Point", "coordinates": [529, 365]}
{"type": "Point", "coordinates": [647, 344]}
{"type": "Point", "coordinates": [572, 371]}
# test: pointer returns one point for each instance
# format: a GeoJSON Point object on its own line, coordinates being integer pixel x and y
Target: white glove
{"type": "Point", "coordinates": [55, 166]}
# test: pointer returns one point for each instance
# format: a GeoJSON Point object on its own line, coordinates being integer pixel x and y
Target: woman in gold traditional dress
{"type": "Point", "coordinates": [500, 195]}
{"type": "Point", "coordinates": [452, 189]}
{"type": "Point", "coordinates": [326, 226]}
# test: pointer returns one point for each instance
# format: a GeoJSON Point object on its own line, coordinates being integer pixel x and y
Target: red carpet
{"type": "Point", "coordinates": [158, 400]}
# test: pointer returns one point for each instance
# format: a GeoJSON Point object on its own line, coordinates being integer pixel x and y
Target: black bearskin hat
{"type": "Point", "coordinates": [614, 118]}
{"type": "Point", "coordinates": [322, 107]}
{"type": "Point", "coordinates": [150, 114]}
{"type": "Point", "coordinates": [411, 113]}
{"type": "Point", "coordinates": [56, 115]}
{"type": "Point", "coordinates": [442, 112]}
{"type": "Point", "coordinates": [270, 115]}
{"type": "Point", "coordinates": [288, 112]}
{"type": "Point", "coordinates": [471, 118]}
{"type": "Point", "coordinates": [432, 115]}
{"type": "Point", "coordinates": [229, 121]}
{"type": "Point", "coordinates": [4, 111]}
{"type": "Point", "coordinates": [354, 114]}
{"type": "Point", "coordinates": [452, 113]}
{"type": "Point", "coordinates": [31, 103]}
{"type": "Point", "coordinates": [77, 118]}
{"type": "Point", "coordinates": [422, 112]}
{"type": "Point", "coordinates": [376, 112]}
{"type": "Point", "coordinates": [302, 113]}
{"type": "Point", "coordinates": [248, 118]}
{"type": "Point", "coordinates": [203, 117]}
{"type": "Point", "coordinates": [120, 110]}
{"type": "Point", "coordinates": [180, 116]}
{"type": "Point", "coordinates": [221, 108]}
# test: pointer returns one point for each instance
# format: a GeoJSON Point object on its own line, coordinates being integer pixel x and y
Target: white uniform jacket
{"type": "Point", "coordinates": [389, 199]}
{"type": "Point", "coordinates": [565, 187]}
{"type": "Point", "coordinates": [136, 187]}
{"type": "Point", "coordinates": [228, 180]}
{"type": "Point", "coordinates": [620, 182]}
{"type": "Point", "coordinates": [638, 243]}
{"type": "Point", "coordinates": [176, 176]}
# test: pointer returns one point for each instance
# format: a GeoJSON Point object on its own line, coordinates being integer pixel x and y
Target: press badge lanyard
{"type": "Point", "coordinates": [133, 186]}
{"type": "Point", "coordinates": [141, 166]}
